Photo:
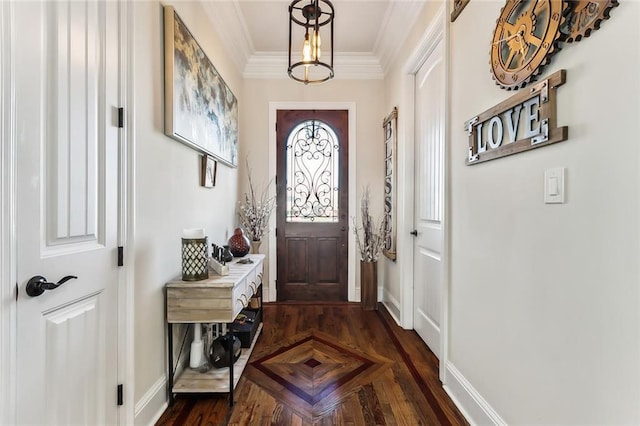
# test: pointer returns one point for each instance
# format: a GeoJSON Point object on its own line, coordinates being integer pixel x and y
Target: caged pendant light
{"type": "Point", "coordinates": [311, 30]}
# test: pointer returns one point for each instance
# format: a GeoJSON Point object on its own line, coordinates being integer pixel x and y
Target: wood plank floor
{"type": "Point", "coordinates": [328, 364]}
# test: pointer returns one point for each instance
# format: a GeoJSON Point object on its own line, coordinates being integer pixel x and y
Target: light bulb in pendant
{"type": "Point", "coordinates": [316, 42]}
{"type": "Point", "coordinates": [306, 49]}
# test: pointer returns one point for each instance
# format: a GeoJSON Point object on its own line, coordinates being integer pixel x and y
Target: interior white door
{"type": "Point", "coordinates": [66, 89]}
{"type": "Point", "coordinates": [428, 197]}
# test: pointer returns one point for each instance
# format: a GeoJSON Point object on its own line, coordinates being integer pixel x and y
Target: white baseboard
{"type": "Point", "coordinates": [392, 305]}
{"type": "Point", "coordinates": [473, 406]}
{"type": "Point", "coordinates": [152, 404]}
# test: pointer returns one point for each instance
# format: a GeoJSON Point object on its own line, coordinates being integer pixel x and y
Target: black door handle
{"type": "Point", "coordinates": [414, 232]}
{"type": "Point", "coordinates": [38, 284]}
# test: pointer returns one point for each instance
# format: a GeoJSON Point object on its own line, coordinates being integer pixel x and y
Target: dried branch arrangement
{"type": "Point", "coordinates": [254, 211]}
{"type": "Point", "coordinates": [370, 237]}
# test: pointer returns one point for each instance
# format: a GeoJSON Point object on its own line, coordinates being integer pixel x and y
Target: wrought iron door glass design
{"type": "Point", "coordinates": [312, 173]}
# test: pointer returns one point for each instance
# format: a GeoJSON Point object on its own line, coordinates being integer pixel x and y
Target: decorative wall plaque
{"type": "Point", "coordinates": [389, 126]}
{"type": "Point", "coordinates": [526, 36]}
{"type": "Point", "coordinates": [525, 121]}
{"type": "Point", "coordinates": [585, 17]}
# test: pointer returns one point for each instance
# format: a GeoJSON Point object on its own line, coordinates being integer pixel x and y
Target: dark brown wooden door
{"type": "Point", "coordinates": [312, 213]}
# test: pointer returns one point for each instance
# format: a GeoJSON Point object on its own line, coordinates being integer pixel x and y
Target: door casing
{"type": "Point", "coordinates": [7, 223]}
{"type": "Point", "coordinates": [352, 295]}
{"type": "Point", "coordinates": [434, 33]}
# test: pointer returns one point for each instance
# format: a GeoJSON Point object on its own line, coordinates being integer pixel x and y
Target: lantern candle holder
{"type": "Point", "coordinates": [194, 259]}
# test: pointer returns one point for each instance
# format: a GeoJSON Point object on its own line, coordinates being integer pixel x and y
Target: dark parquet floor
{"type": "Point", "coordinates": [328, 364]}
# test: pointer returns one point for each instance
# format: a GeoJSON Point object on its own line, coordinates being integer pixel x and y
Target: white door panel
{"type": "Point", "coordinates": [66, 87]}
{"type": "Point", "coordinates": [429, 196]}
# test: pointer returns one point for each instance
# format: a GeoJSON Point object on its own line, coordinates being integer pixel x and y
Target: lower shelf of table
{"type": "Point", "coordinates": [215, 380]}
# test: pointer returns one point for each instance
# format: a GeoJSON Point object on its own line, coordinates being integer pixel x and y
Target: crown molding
{"type": "Point", "coordinates": [230, 26]}
{"type": "Point", "coordinates": [348, 66]}
{"type": "Point", "coordinates": [396, 25]}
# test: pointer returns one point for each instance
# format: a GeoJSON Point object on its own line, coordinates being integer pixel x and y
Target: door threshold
{"type": "Point", "coordinates": [313, 302]}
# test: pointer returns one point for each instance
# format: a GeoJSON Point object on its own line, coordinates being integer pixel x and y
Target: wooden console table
{"type": "Point", "coordinates": [217, 299]}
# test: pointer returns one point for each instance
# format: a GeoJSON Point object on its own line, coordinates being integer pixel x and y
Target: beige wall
{"type": "Point", "coordinates": [544, 299]}
{"type": "Point", "coordinates": [168, 194]}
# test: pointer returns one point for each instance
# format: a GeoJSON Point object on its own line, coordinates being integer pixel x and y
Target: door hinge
{"type": "Point", "coordinates": [276, 232]}
{"type": "Point", "coordinates": [17, 291]}
{"type": "Point", "coordinates": [276, 126]}
{"type": "Point", "coordinates": [120, 256]}
{"type": "Point", "coordinates": [121, 117]}
{"type": "Point", "coordinates": [120, 393]}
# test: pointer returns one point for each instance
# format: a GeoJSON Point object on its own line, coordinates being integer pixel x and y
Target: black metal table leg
{"type": "Point", "coordinates": [170, 375]}
{"type": "Point", "coordinates": [231, 354]}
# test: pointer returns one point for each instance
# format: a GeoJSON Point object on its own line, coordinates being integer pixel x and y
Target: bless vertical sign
{"type": "Point", "coordinates": [524, 121]}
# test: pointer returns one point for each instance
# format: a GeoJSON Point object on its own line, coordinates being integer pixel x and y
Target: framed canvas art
{"type": "Point", "coordinates": [200, 109]}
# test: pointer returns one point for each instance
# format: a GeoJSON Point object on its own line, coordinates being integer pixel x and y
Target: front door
{"type": "Point", "coordinates": [312, 211]}
{"type": "Point", "coordinates": [66, 98]}
{"type": "Point", "coordinates": [428, 198]}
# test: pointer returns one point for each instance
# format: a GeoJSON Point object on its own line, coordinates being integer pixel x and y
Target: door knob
{"type": "Point", "coordinates": [38, 284]}
{"type": "Point", "coordinates": [414, 232]}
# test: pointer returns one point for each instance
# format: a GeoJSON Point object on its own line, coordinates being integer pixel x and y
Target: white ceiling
{"type": "Point", "coordinates": [366, 34]}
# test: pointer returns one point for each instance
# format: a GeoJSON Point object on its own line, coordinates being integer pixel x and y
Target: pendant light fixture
{"type": "Point", "coordinates": [311, 41]}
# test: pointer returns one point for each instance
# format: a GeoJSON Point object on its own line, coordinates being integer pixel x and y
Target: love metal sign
{"type": "Point", "coordinates": [525, 121]}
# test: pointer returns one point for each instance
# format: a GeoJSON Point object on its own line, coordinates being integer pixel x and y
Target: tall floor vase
{"type": "Point", "coordinates": [368, 285]}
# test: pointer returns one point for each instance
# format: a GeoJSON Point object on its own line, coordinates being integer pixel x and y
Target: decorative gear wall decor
{"type": "Point", "coordinates": [585, 17]}
{"type": "Point", "coordinates": [527, 34]}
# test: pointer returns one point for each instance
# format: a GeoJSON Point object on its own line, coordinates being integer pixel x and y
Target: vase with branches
{"type": "Point", "coordinates": [254, 210]}
{"type": "Point", "coordinates": [370, 239]}
{"type": "Point", "coordinates": [371, 235]}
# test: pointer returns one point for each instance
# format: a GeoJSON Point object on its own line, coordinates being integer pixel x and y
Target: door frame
{"type": "Point", "coordinates": [8, 215]}
{"type": "Point", "coordinates": [126, 212]}
{"type": "Point", "coordinates": [436, 32]}
{"type": "Point", "coordinates": [351, 108]}
{"type": "Point", "coordinates": [8, 160]}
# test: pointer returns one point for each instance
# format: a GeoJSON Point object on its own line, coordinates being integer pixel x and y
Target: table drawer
{"type": "Point", "coordinates": [204, 305]}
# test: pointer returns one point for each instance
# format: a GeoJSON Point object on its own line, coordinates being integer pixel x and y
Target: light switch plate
{"type": "Point", "coordinates": [554, 185]}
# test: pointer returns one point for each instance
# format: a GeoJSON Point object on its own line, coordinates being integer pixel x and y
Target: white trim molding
{"type": "Point", "coordinates": [348, 66]}
{"type": "Point", "coordinates": [351, 107]}
{"type": "Point", "coordinates": [469, 401]}
{"type": "Point", "coordinates": [126, 216]}
{"type": "Point", "coordinates": [446, 205]}
{"type": "Point", "coordinates": [398, 21]}
{"type": "Point", "coordinates": [231, 28]}
{"type": "Point", "coordinates": [8, 179]}
{"type": "Point", "coordinates": [428, 42]}
{"type": "Point", "coordinates": [433, 35]}
{"type": "Point", "coordinates": [153, 403]}
{"type": "Point", "coordinates": [392, 305]}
